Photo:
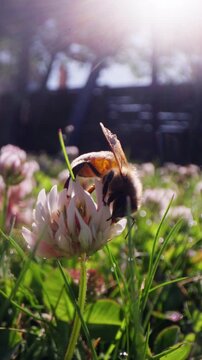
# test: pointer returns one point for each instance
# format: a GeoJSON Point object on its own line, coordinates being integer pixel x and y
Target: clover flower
{"type": "Point", "coordinates": [70, 222]}
{"type": "Point", "coordinates": [19, 199]}
{"type": "Point", "coordinates": [159, 198]}
{"type": "Point", "coordinates": [14, 165]}
{"type": "Point", "coordinates": [188, 171]}
{"type": "Point", "coordinates": [183, 212]}
{"type": "Point", "coordinates": [181, 173]}
{"type": "Point", "coordinates": [20, 202]}
{"type": "Point", "coordinates": [146, 169]}
{"type": "Point", "coordinates": [169, 169]}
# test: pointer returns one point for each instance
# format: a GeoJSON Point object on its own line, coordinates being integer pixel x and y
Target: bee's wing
{"type": "Point", "coordinates": [94, 164]}
{"type": "Point", "coordinates": [115, 146]}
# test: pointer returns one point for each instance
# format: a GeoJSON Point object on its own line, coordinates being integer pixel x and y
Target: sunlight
{"type": "Point", "coordinates": [107, 25]}
{"type": "Point", "coordinates": [159, 10]}
{"type": "Point", "coordinates": [170, 18]}
{"type": "Point", "coordinates": [173, 13]}
{"type": "Point", "coordinates": [172, 9]}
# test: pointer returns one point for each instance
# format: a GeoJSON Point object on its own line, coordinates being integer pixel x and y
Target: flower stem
{"type": "Point", "coordinates": [81, 303]}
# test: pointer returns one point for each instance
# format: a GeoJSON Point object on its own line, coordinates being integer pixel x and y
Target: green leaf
{"type": "Point", "coordinates": [103, 312]}
{"type": "Point", "coordinates": [56, 298]}
{"type": "Point", "coordinates": [197, 321]}
{"type": "Point", "coordinates": [166, 338]}
{"type": "Point", "coordinates": [178, 352]}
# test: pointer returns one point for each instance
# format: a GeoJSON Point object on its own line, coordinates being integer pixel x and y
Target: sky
{"type": "Point", "coordinates": [113, 76]}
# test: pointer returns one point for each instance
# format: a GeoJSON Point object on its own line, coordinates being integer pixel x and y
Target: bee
{"type": "Point", "coordinates": [122, 188]}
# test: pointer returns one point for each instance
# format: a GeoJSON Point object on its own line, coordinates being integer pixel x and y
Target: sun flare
{"type": "Point", "coordinates": [171, 20]}
{"type": "Point", "coordinates": [171, 16]}
{"type": "Point", "coordinates": [173, 12]}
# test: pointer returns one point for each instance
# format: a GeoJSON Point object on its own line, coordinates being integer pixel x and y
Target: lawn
{"type": "Point", "coordinates": [144, 286]}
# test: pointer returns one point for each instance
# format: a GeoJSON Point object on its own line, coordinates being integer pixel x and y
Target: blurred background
{"type": "Point", "coordinates": [135, 65]}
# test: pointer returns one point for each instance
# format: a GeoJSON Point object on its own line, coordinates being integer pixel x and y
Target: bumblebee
{"type": "Point", "coordinates": [121, 185]}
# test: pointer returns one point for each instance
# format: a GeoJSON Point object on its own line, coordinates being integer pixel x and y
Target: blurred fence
{"type": "Point", "coordinates": [162, 123]}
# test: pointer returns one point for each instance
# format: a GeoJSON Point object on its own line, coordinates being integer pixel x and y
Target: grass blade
{"type": "Point", "coordinates": [18, 249]}
{"type": "Point", "coordinates": [22, 308]}
{"type": "Point", "coordinates": [65, 154]}
{"type": "Point", "coordinates": [166, 283]}
{"type": "Point", "coordinates": [146, 342]}
{"type": "Point", "coordinates": [153, 269]}
{"type": "Point", "coordinates": [124, 326]}
{"type": "Point", "coordinates": [157, 234]}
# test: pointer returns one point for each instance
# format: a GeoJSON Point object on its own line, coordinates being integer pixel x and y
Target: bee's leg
{"type": "Point", "coordinates": [106, 181]}
{"type": "Point", "coordinates": [117, 207]}
{"type": "Point", "coordinates": [91, 188]}
{"type": "Point", "coordinates": [111, 198]}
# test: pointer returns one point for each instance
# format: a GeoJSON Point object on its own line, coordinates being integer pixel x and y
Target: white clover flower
{"type": "Point", "coordinates": [20, 202]}
{"type": "Point", "coordinates": [21, 184]}
{"type": "Point", "coordinates": [183, 212]}
{"type": "Point", "coordinates": [160, 197]}
{"type": "Point", "coordinates": [168, 169]}
{"type": "Point", "coordinates": [70, 223]}
{"type": "Point", "coordinates": [14, 166]}
{"type": "Point", "coordinates": [146, 169]}
{"type": "Point", "coordinates": [190, 170]}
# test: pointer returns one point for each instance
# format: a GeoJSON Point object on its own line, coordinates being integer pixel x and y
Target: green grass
{"type": "Point", "coordinates": [143, 303]}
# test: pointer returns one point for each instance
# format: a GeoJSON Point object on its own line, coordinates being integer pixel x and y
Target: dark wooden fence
{"type": "Point", "coordinates": [163, 124]}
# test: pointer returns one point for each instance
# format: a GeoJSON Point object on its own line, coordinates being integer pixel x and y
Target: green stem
{"type": "Point", "coordinates": [62, 144]}
{"type": "Point", "coordinates": [137, 334]}
{"type": "Point", "coordinates": [81, 303]}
